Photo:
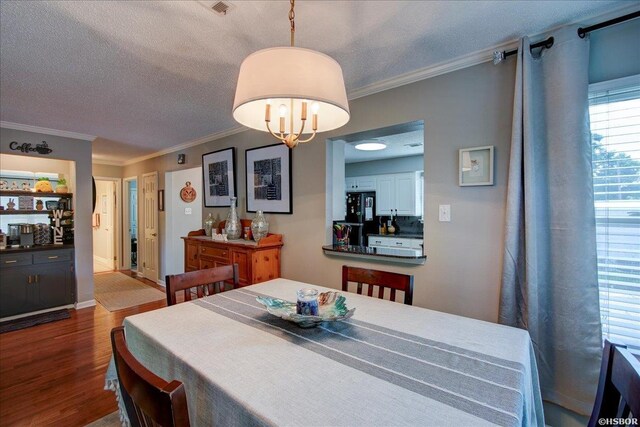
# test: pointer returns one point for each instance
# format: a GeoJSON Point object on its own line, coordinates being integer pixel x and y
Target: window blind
{"type": "Point", "coordinates": [614, 109]}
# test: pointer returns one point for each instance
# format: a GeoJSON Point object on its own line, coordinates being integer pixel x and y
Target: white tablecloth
{"type": "Point", "coordinates": [391, 364]}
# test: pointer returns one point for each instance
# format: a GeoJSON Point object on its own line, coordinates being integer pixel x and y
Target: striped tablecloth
{"type": "Point", "coordinates": [391, 364]}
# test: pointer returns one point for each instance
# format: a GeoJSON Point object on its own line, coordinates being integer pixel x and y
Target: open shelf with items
{"type": "Point", "coordinates": [25, 212]}
{"type": "Point", "coordinates": [15, 193]}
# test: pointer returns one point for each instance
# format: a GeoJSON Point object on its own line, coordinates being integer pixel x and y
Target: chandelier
{"type": "Point", "coordinates": [296, 83]}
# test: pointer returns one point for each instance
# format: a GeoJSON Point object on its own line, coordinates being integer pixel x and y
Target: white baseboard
{"type": "Point", "coordinates": [85, 304]}
{"type": "Point", "coordinates": [161, 283]}
{"type": "Point", "coordinates": [19, 316]}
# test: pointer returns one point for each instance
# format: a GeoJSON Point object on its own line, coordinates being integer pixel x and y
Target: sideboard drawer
{"type": "Point", "coordinates": [15, 260]}
{"type": "Point", "coordinates": [52, 256]}
{"type": "Point", "coordinates": [214, 252]}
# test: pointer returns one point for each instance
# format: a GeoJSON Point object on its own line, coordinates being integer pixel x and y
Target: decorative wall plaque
{"type": "Point", "coordinates": [188, 193]}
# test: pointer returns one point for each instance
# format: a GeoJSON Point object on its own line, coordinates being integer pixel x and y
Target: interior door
{"type": "Point", "coordinates": [150, 215]}
{"type": "Point", "coordinates": [104, 227]}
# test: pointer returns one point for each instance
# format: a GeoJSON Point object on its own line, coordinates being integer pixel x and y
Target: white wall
{"type": "Point", "coordinates": [177, 222]}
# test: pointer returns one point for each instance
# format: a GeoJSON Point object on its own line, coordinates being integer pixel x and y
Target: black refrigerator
{"type": "Point", "coordinates": [361, 208]}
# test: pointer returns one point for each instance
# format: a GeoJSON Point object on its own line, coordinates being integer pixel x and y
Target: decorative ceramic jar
{"type": "Point", "coordinates": [39, 205]}
{"type": "Point", "coordinates": [61, 187]}
{"type": "Point", "coordinates": [208, 224]}
{"type": "Point", "coordinates": [307, 303]}
{"type": "Point", "coordinates": [259, 226]}
{"type": "Point", "coordinates": [232, 226]}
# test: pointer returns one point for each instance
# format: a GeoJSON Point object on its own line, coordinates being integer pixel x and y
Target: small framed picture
{"type": "Point", "coordinates": [269, 186]}
{"type": "Point", "coordinates": [476, 166]}
{"type": "Point", "coordinates": [219, 177]}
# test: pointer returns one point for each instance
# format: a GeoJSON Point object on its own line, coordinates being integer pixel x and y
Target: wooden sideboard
{"type": "Point", "coordinates": [257, 262]}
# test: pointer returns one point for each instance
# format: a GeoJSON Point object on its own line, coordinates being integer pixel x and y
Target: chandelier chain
{"type": "Point", "coordinates": [292, 16]}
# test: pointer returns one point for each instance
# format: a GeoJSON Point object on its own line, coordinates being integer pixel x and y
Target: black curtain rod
{"type": "Point", "coordinates": [582, 32]}
{"type": "Point", "coordinates": [545, 44]}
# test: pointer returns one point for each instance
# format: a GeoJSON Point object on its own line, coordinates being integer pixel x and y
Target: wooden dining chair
{"type": "Point", "coordinates": [149, 400]}
{"type": "Point", "coordinates": [619, 386]}
{"type": "Point", "coordinates": [381, 279]}
{"type": "Point", "coordinates": [200, 283]}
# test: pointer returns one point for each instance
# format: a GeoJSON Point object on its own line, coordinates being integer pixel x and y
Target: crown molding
{"type": "Point", "coordinates": [465, 61]}
{"type": "Point", "coordinates": [473, 58]}
{"type": "Point", "coordinates": [95, 161]}
{"type": "Point", "coordinates": [188, 144]}
{"type": "Point", "coordinates": [48, 131]}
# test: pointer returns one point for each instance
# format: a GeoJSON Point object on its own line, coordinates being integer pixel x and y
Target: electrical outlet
{"type": "Point", "coordinates": [444, 213]}
{"type": "Point", "coordinates": [187, 211]}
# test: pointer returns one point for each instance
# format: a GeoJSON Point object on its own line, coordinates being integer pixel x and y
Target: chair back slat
{"type": "Point", "coordinates": [203, 281]}
{"type": "Point", "coordinates": [381, 279]}
{"type": "Point", "coordinates": [618, 394]}
{"type": "Point", "coordinates": [149, 399]}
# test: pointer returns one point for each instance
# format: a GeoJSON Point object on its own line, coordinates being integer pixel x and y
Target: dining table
{"type": "Point", "coordinates": [390, 364]}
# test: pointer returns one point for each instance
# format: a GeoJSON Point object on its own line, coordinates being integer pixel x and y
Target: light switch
{"type": "Point", "coordinates": [187, 211]}
{"type": "Point", "coordinates": [444, 213]}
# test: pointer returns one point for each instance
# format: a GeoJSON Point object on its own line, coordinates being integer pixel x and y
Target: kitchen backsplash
{"type": "Point", "coordinates": [409, 224]}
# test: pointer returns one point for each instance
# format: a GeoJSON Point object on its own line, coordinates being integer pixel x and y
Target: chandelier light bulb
{"type": "Point", "coordinates": [282, 110]}
{"type": "Point", "coordinates": [315, 107]}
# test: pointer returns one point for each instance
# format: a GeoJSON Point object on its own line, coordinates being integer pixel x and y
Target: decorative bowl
{"type": "Point", "coordinates": [331, 307]}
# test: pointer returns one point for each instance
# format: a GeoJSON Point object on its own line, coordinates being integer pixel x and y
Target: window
{"type": "Point", "coordinates": [614, 109]}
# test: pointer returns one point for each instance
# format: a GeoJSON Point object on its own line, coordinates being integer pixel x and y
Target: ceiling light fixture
{"type": "Point", "coordinates": [370, 146]}
{"type": "Point", "coordinates": [292, 80]}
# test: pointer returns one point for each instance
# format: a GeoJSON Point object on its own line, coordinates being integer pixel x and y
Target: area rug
{"type": "Point", "coordinates": [116, 291]}
{"type": "Point", "coordinates": [37, 319]}
{"type": "Point", "coordinates": [111, 420]}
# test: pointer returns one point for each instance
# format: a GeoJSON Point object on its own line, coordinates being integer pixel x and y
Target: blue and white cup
{"type": "Point", "coordinates": [307, 302]}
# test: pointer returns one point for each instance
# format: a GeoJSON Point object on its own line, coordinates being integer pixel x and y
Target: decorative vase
{"type": "Point", "coordinates": [39, 205]}
{"type": "Point", "coordinates": [259, 226]}
{"type": "Point", "coordinates": [208, 224]}
{"type": "Point", "coordinates": [232, 226]}
{"type": "Point", "coordinates": [62, 189]}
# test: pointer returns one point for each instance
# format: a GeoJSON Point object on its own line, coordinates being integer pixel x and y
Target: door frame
{"type": "Point", "coordinates": [142, 226]}
{"type": "Point", "coordinates": [126, 255]}
{"type": "Point", "coordinates": [117, 217]}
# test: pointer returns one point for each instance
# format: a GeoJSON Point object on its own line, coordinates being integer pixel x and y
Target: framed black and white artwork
{"type": "Point", "coordinates": [219, 177]}
{"type": "Point", "coordinates": [269, 186]}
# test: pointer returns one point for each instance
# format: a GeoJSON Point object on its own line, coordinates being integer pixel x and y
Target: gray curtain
{"type": "Point", "coordinates": [549, 279]}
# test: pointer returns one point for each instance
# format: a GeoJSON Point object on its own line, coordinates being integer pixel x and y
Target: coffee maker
{"type": "Point", "coordinates": [13, 235]}
{"type": "Point", "coordinates": [26, 235]}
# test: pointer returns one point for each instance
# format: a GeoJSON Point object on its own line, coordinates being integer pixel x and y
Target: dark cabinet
{"type": "Point", "coordinates": [36, 281]}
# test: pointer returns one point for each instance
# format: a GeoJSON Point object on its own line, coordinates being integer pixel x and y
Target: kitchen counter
{"type": "Point", "coordinates": [379, 254]}
{"type": "Point", "coordinates": [34, 248]}
{"type": "Point", "coordinates": [400, 235]}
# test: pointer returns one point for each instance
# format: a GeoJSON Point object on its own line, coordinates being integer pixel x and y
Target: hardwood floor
{"type": "Point", "coordinates": [53, 374]}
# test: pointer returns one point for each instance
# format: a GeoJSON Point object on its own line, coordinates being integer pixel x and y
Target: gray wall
{"type": "Point", "coordinates": [395, 165]}
{"type": "Point", "coordinates": [107, 171]}
{"type": "Point", "coordinates": [615, 52]}
{"type": "Point", "coordinates": [467, 108]}
{"type": "Point", "coordinates": [79, 151]}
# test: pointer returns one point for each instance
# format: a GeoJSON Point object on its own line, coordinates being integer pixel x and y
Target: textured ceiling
{"type": "Point", "coordinates": [145, 76]}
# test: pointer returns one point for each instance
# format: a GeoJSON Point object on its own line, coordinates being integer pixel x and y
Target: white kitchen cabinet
{"type": "Point", "coordinates": [399, 192]}
{"type": "Point", "coordinates": [360, 183]}
{"type": "Point", "coordinates": [395, 242]}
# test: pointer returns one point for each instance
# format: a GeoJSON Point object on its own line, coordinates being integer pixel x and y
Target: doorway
{"type": "Point", "coordinates": [106, 223]}
{"type": "Point", "coordinates": [130, 225]}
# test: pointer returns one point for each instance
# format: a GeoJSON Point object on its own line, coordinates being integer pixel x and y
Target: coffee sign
{"type": "Point", "coordinates": [25, 147]}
